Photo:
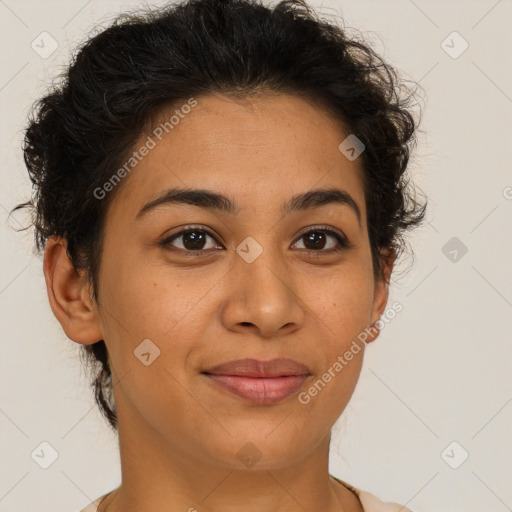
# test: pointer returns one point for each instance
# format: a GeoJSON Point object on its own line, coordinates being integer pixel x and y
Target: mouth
{"type": "Point", "coordinates": [260, 382]}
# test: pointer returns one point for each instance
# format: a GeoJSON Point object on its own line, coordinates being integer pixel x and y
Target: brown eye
{"type": "Point", "coordinates": [323, 240]}
{"type": "Point", "coordinates": [191, 240]}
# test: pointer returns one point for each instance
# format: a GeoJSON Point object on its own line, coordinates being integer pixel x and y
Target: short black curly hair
{"type": "Point", "coordinates": [145, 61]}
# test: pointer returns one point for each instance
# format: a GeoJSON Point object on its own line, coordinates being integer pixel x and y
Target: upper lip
{"type": "Point", "coordinates": [279, 367]}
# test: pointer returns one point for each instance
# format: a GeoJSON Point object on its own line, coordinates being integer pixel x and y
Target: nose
{"type": "Point", "coordinates": [262, 297]}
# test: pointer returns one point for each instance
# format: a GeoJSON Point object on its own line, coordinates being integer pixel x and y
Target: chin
{"type": "Point", "coordinates": [260, 451]}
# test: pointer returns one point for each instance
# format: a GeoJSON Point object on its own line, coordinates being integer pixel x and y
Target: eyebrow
{"type": "Point", "coordinates": [210, 200]}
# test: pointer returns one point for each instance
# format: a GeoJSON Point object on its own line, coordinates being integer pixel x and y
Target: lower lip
{"type": "Point", "coordinates": [260, 390]}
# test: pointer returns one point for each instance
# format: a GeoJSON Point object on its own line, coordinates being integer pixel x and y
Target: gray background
{"type": "Point", "coordinates": [441, 370]}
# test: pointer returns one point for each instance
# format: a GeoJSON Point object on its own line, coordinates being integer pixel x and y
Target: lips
{"type": "Point", "coordinates": [261, 382]}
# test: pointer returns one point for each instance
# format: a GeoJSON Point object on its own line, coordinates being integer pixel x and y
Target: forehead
{"type": "Point", "coordinates": [273, 146]}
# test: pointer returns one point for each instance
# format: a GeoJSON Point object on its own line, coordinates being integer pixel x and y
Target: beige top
{"type": "Point", "coordinates": [369, 502]}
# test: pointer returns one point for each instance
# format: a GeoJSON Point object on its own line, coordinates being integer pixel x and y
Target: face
{"type": "Point", "coordinates": [279, 276]}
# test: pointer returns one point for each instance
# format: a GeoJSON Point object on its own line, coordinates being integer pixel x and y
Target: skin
{"type": "Point", "coordinates": [179, 435]}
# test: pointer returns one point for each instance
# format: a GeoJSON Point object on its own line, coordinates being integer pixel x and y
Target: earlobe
{"type": "Point", "coordinates": [68, 294]}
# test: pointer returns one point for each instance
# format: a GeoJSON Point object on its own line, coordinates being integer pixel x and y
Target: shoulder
{"type": "Point", "coordinates": [371, 503]}
{"type": "Point", "coordinates": [93, 507]}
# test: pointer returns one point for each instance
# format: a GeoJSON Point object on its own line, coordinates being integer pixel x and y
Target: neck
{"type": "Point", "coordinates": [162, 474]}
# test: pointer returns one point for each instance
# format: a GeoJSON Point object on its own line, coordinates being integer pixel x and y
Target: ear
{"type": "Point", "coordinates": [381, 294]}
{"type": "Point", "coordinates": [68, 294]}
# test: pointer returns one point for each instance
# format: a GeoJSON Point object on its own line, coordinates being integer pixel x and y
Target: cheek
{"type": "Point", "coordinates": [152, 300]}
{"type": "Point", "coordinates": [149, 331]}
{"type": "Point", "coordinates": [160, 312]}
{"type": "Point", "coordinates": [329, 393]}
{"type": "Point", "coordinates": [342, 303]}
{"type": "Point", "coordinates": [342, 311]}
{"type": "Point", "coordinates": [342, 314]}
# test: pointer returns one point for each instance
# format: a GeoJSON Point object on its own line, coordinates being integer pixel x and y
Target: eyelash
{"type": "Point", "coordinates": [341, 239]}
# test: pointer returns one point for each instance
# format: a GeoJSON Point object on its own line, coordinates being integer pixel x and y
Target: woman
{"type": "Point", "coordinates": [221, 194]}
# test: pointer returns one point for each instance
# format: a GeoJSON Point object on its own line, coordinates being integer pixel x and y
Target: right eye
{"type": "Point", "coordinates": [193, 241]}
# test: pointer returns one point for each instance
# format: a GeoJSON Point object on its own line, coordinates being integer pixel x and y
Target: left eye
{"type": "Point", "coordinates": [316, 239]}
